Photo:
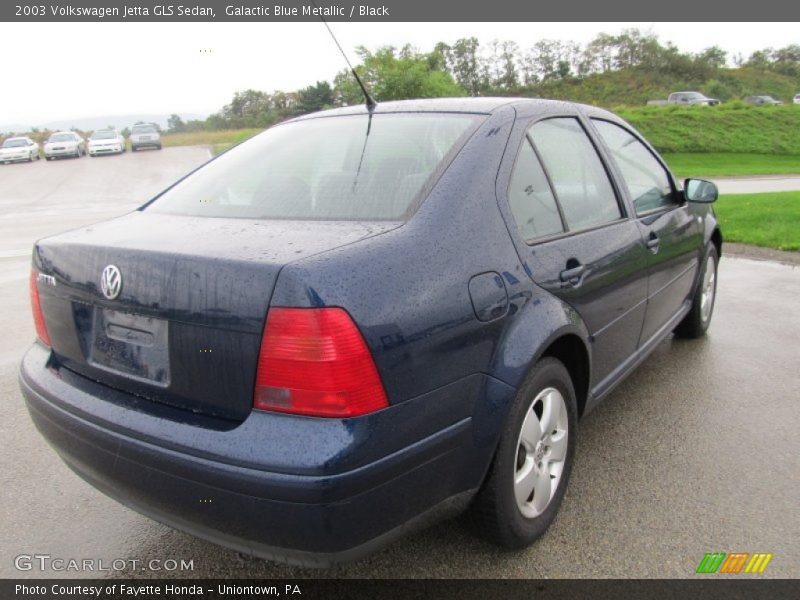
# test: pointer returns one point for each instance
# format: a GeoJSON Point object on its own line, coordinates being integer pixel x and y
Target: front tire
{"type": "Point", "coordinates": [528, 477]}
{"type": "Point", "coordinates": [696, 322]}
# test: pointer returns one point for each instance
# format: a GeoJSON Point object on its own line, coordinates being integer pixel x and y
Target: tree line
{"type": "Point", "coordinates": [633, 60]}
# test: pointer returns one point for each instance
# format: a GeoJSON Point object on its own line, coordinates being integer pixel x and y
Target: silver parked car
{"type": "Point", "coordinates": [64, 143]}
{"type": "Point", "coordinates": [145, 135]}
{"type": "Point", "coordinates": [19, 148]}
{"type": "Point", "coordinates": [762, 101]}
{"type": "Point", "coordinates": [691, 99]}
{"type": "Point", "coordinates": [797, 99]}
{"type": "Point", "coordinates": [106, 141]}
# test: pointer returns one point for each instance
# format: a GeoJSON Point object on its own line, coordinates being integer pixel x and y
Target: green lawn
{"type": "Point", "coordinates": [218, 140]}
{"type": "Point", "coordinates": [723, 165]}
{"type": "Point", "coordinates": [770, 220]}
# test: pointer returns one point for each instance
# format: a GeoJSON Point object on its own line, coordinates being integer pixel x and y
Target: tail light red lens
{"type": "Point", "coordinates": [314, 361]}
{"type": "Point", "coordinates": [36, 306]}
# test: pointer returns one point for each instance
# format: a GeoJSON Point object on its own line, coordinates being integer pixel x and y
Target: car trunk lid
{"type": "Point", "coordinates": [186, 325]}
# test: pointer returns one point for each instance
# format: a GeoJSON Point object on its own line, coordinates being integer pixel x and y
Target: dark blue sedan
{"type": "Point", "coordinates": [362, 319]}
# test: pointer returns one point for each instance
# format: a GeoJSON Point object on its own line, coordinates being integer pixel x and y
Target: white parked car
{"type": "Point", "coordinates": [145, 135]}
{"type": "Point", "coordinates": [105, 141]}
{"type": "Point", "coordinates": [797, 99]}
{"type": "Point", "coordinates": [64, 143]}
{"type": "Point", "coordinates": [19, 148]}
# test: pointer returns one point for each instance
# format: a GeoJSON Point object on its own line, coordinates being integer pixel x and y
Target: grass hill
{"type": "Point", "coordinates": [733, 127]}
{"type": "Point", "coordinates": [634, 87]}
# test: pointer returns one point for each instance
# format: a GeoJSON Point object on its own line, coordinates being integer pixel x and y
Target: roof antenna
{"type": "Point", "coordinates": [371, 104]}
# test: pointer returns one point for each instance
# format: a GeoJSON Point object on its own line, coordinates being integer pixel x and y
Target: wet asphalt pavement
{"type": "Point", "coordinates": [698, 451]}
{"type": "Point", "coordinates": [757, 185]}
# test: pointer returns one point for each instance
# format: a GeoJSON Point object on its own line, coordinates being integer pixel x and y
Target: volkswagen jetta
{"type": "Point", "coordinates": [362, 319]}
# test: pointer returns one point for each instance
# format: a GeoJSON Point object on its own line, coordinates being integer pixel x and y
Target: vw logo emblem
{"type": "Point", "coordinates": [111, 282]}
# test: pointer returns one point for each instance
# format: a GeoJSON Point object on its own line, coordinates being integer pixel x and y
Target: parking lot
{"type": "Point", "coordinates": [698, 451]}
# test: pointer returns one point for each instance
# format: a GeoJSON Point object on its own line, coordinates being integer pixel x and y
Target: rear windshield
{"type": "Point", "coordinates": [104, 135]}
{"type": "Point", "coordinates": [143, 129]}
{"type": "Point", "coordinates": [334, 168]}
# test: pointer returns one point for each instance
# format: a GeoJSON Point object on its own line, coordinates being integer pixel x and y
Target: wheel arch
{"type": "Point", "coordinates": [716, 239]}
{"type": "Point", "coordinates": [549, 327]}
{"type": "Point", "coordinates": [572, 352]}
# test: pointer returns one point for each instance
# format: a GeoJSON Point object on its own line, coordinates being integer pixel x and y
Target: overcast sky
{"type": "Point", "coordinates": [77, 70]}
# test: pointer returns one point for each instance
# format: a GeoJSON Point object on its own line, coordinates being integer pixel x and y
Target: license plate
{"type": "Point", "coordinates": [131, 345]}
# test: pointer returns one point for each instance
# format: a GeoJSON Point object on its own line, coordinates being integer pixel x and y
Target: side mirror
{"type": "Point", "coordinates": [700, 190]}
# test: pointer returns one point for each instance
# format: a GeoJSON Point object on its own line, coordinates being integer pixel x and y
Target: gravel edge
{"type": "Point", "coordinates": [758, 253]}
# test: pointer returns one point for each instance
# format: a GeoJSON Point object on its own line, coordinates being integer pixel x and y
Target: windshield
{"type": "Point", "coordinates": [334, 168]}
{"type": "Point", "coordinates": [694, 95]}
{"type": "Point", "coordinates": [18, 143]}
{"type": "Point", "coordinates": [104, 135]}
{"type": "Point", "coordinates": [62, 137]}
{"type": "Point", "coordinates": [143, 129]}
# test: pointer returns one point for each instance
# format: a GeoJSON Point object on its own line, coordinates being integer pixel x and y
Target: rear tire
{"type": "Point", "coordinates": [540, 429]}
{"type": "Point", "coordinates": [696, 322]}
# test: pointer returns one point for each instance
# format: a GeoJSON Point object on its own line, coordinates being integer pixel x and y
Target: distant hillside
{"type": "Point", "coordinates": [634, 87]}
{"type": "Point", "coordinates": [733, 127]}
{"type": "Point", "coordinates": [91, 123]}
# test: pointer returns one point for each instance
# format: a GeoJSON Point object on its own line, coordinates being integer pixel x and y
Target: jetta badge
{"type": "Point", "coordinates": [111, 282]}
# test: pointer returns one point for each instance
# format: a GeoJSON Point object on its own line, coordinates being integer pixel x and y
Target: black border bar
{"type": "Point", "coordinates": [711, 587]}
{"type": "Point", "coordinates": [399, 10]}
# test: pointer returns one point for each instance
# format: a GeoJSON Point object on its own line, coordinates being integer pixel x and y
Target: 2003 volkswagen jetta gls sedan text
{"type": "Point", "coordinates": [363, 318]}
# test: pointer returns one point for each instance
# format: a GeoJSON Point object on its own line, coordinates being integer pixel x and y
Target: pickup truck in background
{"type": "Point", "coordinates": [685, 98]}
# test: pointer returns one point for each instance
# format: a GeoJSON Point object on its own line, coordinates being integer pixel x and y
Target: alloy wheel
{"type": "Point", "coordinates": [709, 289]}
{"type": "Point", "coordinates": [541, 452]}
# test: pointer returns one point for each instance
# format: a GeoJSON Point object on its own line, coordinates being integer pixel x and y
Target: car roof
{"type": "Point", "coordinates": [475, 105]}
{"type": "Point", "coordinates": [16, 137]}
{"type": "Point", "coordinates": [59, 132]}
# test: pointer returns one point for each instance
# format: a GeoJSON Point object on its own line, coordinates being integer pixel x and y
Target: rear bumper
{"type": "Point", "coordinates": [340, 493]}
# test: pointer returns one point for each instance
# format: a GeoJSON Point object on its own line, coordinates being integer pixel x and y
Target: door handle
{"type": "Point", "coordinates": [653, 242]}
{"type": "Point", "coordinates": [572, 275]}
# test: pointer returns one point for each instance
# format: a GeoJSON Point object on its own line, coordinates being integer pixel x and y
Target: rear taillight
{"type": "Point", "coordinates": [36, 306]}
{"type": "Point", "coordinates": [314, 361]}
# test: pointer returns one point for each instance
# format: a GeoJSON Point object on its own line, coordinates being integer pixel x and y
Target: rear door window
{"type": "Point", "coordinates": [581, 183]}
{"type": "Point", "coordinates": [531, 200]}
